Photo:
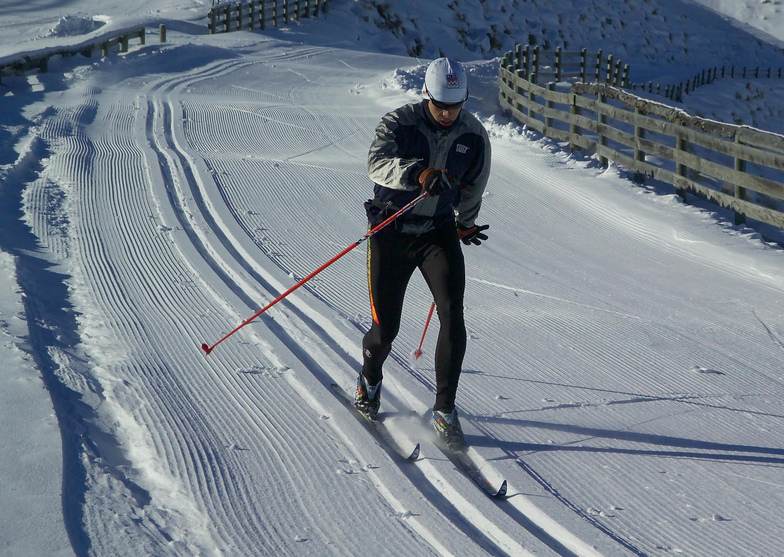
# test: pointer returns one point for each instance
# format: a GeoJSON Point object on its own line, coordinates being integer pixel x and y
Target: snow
{"type": "Point", "coordinates": [624, 363]}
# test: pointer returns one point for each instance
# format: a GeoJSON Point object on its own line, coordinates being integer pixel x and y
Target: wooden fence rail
{"type": "Point", "coordinates": [738, 167]}
{"type": "Point", "coordinates": [40, 61]}
{"type": "Point", "coordinates": [260, 13]}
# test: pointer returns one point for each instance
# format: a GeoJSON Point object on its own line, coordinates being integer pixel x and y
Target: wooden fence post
{"type": "Point", "coordinates": [574, 129]}
{"type": "Point", "coordinates": [609, 69]}
{"type": "Point", "coordinates": [598, 69]}
{"type": "Point", "coordinates": [518, 91]}
{"type": "Point", "coordinates": [251, 15]}
{"type": "Point", "coordinates": [275, 13]}
{"type": "Point", "coordinates": [583, 64]}
{"type": "Point", "coordinates": [680, 168]}
{"type": "Point", "coordinates": [162, 33]}
{"type": "Point", "coordinates": [526, 60]}
{"type": "Point", "coordinates": [532, 98]}
{"type": "Point", "coordinates": [740, 192]}
{"type": "Point", "coordinates": [535, 62]}
{"type": "Point", "coordinates": [558, 63]}
{"type": "Point", "coordinates": [602, 98]}
{"type": "Point", "coordinates": [262, 12]}
{"type": "Point", "coordinates": [548, 120]}
{"type": "Point", "coordinates": [639, 154]}
{"type": "Point", "coordinates": [239, 17]}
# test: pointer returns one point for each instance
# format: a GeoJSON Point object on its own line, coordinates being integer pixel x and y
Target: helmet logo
{"type": "Point", "coordinates": [452, 81]}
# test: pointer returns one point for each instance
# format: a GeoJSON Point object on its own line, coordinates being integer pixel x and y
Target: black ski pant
{"type": "Point", "coordinates": [392, 259]}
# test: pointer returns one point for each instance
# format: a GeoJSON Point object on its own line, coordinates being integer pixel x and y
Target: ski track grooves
{"type": "Point", "coordinates": [312, 365]}
{"type": "Point", "coordinates": [174, 161]}
{"type": "Point", "coordinates": [292, 344]}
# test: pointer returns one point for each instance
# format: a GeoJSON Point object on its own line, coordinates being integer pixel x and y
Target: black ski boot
{"type": "Point", "coordinates": [368, 397]}
{"type": "Point", "coordinates": [447, 426]}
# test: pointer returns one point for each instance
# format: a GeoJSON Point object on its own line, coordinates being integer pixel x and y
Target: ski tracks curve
{"type": "Point", "coordinates": [305, 332]}
{"type": "Point", "coordinates": [300, 331]}
{"type": "Point", "coordinates": [161, 260]}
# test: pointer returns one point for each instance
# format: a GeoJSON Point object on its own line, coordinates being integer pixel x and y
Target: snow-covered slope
{"type": "Point", "coordinates": [623, 371]}
{"type": "Point", "coordinates": [761, 17]}
{"type": "Point", "coordinates": [659, 38]}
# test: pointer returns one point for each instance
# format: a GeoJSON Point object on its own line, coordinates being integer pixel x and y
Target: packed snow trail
{"type": "Point", "coordinates": [609, 325]}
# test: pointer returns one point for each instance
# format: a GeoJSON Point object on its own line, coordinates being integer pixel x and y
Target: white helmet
{"type": "Point", "coordinates": [445, 81]}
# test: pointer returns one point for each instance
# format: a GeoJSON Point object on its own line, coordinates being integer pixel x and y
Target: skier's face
{"type": "Point", "coordinates": [444, 114]}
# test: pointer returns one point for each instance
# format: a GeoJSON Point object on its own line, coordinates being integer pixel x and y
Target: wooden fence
{"type": "Point", "coordinates": [709, 75]}
{"type": "Point", "coordinates": [738, 167]}
{"type": "Point", "coordinates": [40, 61]}
{"type": "Point", "coordinates": [260, 13]}
{"type": "Point", "coordinates": [538, 65]}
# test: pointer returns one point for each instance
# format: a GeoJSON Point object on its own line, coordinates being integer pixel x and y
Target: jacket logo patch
{"type": "Point", "coordinates": [462, 149]}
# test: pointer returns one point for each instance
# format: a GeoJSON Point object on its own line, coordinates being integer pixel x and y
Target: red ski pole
{"type": "Point", "coordinates": [418, 351]}
{"type": "Point", "coordinates": [207, 349]}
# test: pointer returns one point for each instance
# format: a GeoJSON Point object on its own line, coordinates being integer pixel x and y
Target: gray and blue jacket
{"type": "Point", "coordinates": [408, 140]}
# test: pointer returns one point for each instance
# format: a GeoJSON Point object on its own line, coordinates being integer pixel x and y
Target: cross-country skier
{"type": "Point", "coordinates": [437, 147]}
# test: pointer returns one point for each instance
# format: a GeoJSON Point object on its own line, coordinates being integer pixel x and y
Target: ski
{"type": "Point", "coordinates": [459, 459]}
{"type": "Point", "coordinates": [466, 464]}
{"type": "Point", "coordinates": [376, 427]}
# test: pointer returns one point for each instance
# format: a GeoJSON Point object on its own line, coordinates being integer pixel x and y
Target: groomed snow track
{"type": "Point", "coordinates": [185, 195]}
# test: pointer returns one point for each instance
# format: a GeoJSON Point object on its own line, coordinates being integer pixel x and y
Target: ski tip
{"type": "Point", "coordinates": [414, 454]}
{"type": "Point", "coordinates": [501, 493]}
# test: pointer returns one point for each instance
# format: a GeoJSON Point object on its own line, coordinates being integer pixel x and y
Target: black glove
{"type": "Point", "coordinates": [434, 181]}
{"type": "Point", "coordinates": [473, 235]}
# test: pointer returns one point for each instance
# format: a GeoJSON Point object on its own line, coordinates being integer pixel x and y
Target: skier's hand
{"type": "Point", "coordinates": [434, 181]}
{"type": "Point", "coordinates": [473, 235]}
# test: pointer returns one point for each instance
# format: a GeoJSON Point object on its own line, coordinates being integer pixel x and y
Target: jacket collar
{"type": "Point", "coordinates": [431, 122]}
